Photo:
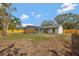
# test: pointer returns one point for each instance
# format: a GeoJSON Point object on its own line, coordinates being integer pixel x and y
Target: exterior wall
{"type": "Point", "coordinates": [56, 31]}
{"type": "Point", "coordinates": [50, 31]}
{"type": "Point", "coordinates": [60, 30]}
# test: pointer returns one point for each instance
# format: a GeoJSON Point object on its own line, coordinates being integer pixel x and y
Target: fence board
{"type": "Point", "coordinates": [71, 31]}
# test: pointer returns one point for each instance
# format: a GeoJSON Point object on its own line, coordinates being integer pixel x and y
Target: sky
{"type": "Point", "coordinates": [36, 13]}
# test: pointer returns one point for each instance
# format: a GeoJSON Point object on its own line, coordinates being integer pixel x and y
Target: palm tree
{"type": "Point", "coordinates": [16, 22]}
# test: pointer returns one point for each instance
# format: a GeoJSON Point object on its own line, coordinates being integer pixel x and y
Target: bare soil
{"type": "Point", "coordinates": [50, 47]}
{"type": "Point", "coordinates": [28, 48]}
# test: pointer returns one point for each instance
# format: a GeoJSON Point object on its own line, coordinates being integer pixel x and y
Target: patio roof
{"type": "Point", "coordinates": [52, 26]}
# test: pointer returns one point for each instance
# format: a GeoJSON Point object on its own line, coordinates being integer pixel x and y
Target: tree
{"type": "Point", "coordinates": [69, 25]}
{"type": "Point", "coordinates": [15, 23]}
{"type": "Point", "coordinates": [68, 20]}
{"type": "Point", "coordinates": [5, 16]}
{"type": "Point", "coordinates": [47, 23]}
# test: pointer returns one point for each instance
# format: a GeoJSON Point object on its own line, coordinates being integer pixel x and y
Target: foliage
{"type": "Point", "coordinates": [47, 23]}
{"type": "Point", "coordinates": [68, 20]}
{"type": "Point", "coordinates": [14, 23]}
{"type": "Point", "coordinates": [5, 16]}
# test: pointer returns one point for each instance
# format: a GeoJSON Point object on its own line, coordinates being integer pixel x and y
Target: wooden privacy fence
{"type": "Point", "coordinates": [14, 31]}
{"type": "Point", "coordinates": [19, 31]}
{"type": "Point", "coordinates": [71, 31]}
{"type": "Point", "coordinates": [67, 31]}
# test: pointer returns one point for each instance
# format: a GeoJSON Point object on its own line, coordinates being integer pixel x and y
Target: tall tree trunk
{"type": "Point", "coordinates": [5, 24]}
{"type": "Point", "coordinates": [4, 31]}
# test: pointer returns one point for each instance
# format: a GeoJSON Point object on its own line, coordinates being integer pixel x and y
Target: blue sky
{"type": "Point", "coordinates": [35, 13]}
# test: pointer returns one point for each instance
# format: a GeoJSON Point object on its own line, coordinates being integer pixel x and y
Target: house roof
{"type": "Point", "coordinates": [51, 26]}
{"type": "Point", "coordinates": [28, 27]}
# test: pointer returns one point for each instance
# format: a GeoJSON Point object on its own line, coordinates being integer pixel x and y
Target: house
{"type": "Point", "coordinates": [31, 29]}
{"type": "Point", "coordinates": [55, 29]}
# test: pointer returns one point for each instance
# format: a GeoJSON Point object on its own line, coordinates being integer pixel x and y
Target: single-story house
{"type": "Point", "coordinates": [31, 29]}
{"type": "Point", "coordinates": [55, 29]}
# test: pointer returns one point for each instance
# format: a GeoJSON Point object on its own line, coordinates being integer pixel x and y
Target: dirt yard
{"type": "Point", "coordinates": [54, 45]}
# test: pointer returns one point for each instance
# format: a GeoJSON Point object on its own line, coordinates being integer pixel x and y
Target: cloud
{"type": "Point", "coordinates": [65, 4]}
{"type": "Point", "coordinates": [24, 17]}
{"type": "Point", "coordinates": [38, 15]}
{"type": "Point", "coordinates": [67, 7]}
{"type": "Point", "coordinates": [33, 13]}
{"type": "Point", "coordinates": [27, 25]}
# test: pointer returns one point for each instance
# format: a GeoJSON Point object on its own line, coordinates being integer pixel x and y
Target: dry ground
{"type": "Point", "coordinates": [36, 45]}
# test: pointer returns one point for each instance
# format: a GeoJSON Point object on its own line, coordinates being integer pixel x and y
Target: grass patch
{"type": "Point", "coordinates": [20, 36]}
{"type": "Point", "coordinates": [34, 36]}
{"type": "Point", "coordinates": [64, 37]}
